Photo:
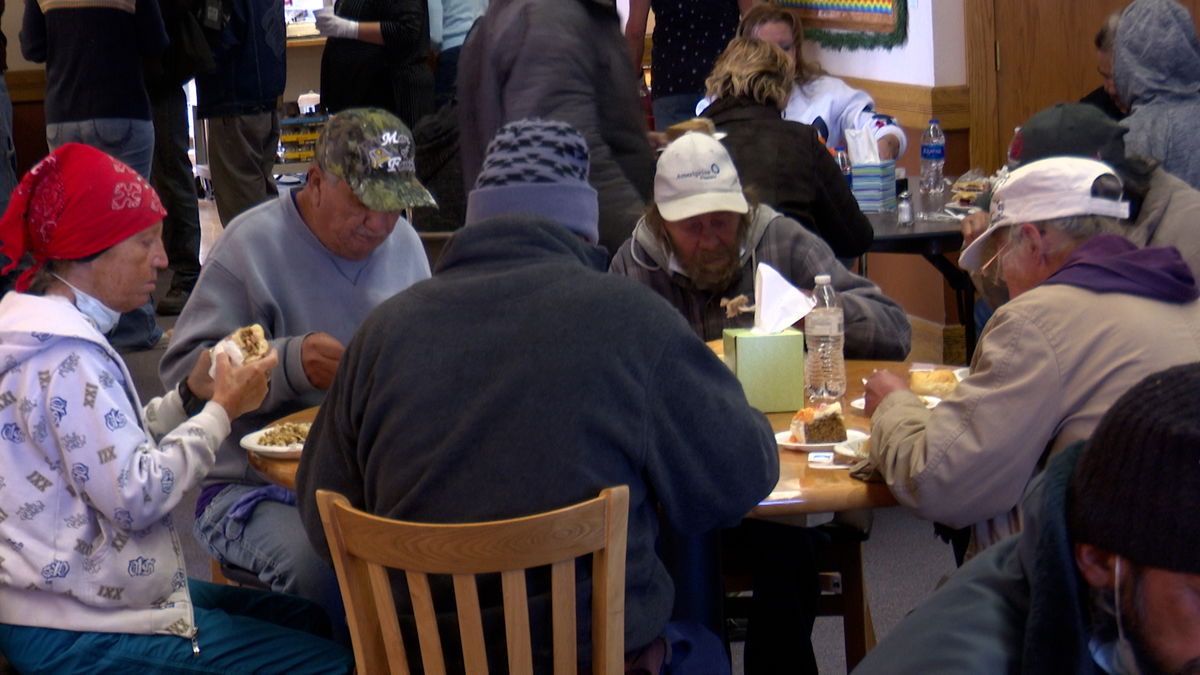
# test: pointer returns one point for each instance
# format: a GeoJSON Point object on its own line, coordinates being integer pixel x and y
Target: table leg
{"type": "Point", "coordinates": [964, 292]}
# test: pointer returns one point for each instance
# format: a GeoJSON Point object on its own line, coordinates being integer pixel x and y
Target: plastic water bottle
{"type": "Point", "coordinates": [843, 162]}
{"type": "Point", "coordinates": [824, 339]}
{"type": "Point", "coordinates": [933, 161]}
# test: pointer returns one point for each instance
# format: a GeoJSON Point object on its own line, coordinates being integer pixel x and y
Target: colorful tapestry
{"type": "Point", "coordinates": [852, 24]}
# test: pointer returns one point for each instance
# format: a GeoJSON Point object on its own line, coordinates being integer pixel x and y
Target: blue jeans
{"type": "Point", "coordinates": [132, 142]}
{"type": "Point", "coordinates": [129, 140]}
{"type": "Point", "coordinates": [239, 630]}
{"type": "Point", "coordinates": [8, 152]}
{"type": "Point", "coordinates": [273, 545]}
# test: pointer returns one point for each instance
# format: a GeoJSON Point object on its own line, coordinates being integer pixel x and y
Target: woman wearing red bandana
{"type": "Point", "coordinates": [92, 575]}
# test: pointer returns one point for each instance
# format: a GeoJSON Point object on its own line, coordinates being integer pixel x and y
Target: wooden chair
{"type": "Point", "coordinates": [363, 546]}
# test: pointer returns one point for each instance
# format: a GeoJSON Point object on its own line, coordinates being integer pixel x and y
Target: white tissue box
{"type": "Point", "coordinates": [770, 367]}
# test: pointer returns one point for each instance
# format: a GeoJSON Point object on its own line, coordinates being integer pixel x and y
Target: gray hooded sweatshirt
{"type": "Point", "coordinates": [1156, 66]}
{"type": "Point", "coordinates": [876, 327]}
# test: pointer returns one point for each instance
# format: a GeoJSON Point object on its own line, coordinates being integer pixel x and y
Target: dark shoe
{"type": "Point", "coordinates": [172, 303]}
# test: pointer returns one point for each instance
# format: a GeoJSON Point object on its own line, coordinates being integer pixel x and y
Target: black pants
{"type": "Point", "coordinates": [783, 562]}
{"type": "Point", "coordinates": [172, 177]}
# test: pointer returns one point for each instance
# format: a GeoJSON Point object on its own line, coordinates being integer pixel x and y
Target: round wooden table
{"type": "Point", "coordinates": [801, 489]}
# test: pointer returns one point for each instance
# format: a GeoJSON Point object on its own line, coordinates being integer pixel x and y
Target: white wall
{"type": "Point", "coordinates": [934, 55]}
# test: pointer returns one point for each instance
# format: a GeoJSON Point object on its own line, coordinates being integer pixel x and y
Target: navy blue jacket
{"type": "Point", "coordinates": [251, 61]}
{"type": "Point", "coordinates": [522, 378]}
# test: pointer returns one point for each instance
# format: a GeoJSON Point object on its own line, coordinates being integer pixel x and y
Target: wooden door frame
{"type": "Point", "coordinates": [981, 83]}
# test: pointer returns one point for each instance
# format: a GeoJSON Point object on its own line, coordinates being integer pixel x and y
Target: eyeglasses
{"type": "Point", "coordinates": [999, 252]}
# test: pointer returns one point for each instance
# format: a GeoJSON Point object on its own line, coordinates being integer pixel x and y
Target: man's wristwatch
{"type": "Point", "coordinates": [192, 404]}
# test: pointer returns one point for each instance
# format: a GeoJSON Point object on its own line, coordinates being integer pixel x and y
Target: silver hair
{"type": "Point", "coordinates": [1075, 230]}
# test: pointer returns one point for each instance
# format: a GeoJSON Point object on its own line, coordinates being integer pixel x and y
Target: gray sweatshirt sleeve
{"type": "Point", "coordinates": [217, 307]}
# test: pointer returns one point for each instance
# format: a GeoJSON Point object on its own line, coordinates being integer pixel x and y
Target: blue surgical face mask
{"type": "Point", "coordinates": [101, 316]}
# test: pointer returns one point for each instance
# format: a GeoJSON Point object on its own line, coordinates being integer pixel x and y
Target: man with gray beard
{"type": "Point", "coordinates": [701, 239]}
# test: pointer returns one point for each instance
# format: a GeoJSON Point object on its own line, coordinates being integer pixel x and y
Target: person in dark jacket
{"type": "Point", "coordinates": [238, 101]}
{"type": "Point", "coordinates": [94, 53]}
{"type": "Point", "coordinates": [171, 172]}
{"type": "Point", "coordinates": [1104, 577]}
{"type": "Point", "coordinates": [1105, 96]}
{"type": "Point", "coordinates": [563, 60]}
{"type": "Point", "coordinates": [522, 378]}
{"type": "Point", "coordinates": [377, 55]}
{"type": "Point", "coordinates": [784, 163]}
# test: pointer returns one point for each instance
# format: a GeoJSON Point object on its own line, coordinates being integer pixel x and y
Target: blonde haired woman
{"type": "Point", "coordinates": [784, 163]}
{"type": "Point", "coordinates": [815, 97]}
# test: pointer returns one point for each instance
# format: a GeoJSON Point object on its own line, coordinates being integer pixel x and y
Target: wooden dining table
{"type": "Point", "coordinates": [802, 489]}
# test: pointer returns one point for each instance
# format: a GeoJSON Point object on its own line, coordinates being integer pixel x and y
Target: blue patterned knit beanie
{"type": "Point", "coordinates": [539, 167]}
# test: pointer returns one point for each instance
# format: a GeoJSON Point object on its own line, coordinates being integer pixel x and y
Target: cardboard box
{"type": "Point", "coordinates": [770, 367]}
{"type": "Point", "coordinates": [874, 186]}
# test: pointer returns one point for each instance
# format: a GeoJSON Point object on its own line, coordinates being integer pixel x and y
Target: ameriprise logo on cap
{"type": "Point", "coordinates": [703, 174]}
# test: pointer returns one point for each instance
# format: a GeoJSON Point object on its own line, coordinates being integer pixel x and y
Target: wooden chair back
{"type": "Point", "coordinates": [364, 546]}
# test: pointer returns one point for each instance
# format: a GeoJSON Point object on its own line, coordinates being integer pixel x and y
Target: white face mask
{"type": "Point", "coordinates": [101, 316]}
{"type": "Point", "coordinates": [1117, 658]}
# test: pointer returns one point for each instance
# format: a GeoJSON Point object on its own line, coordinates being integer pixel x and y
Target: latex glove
{"type": "Point", "coordinates": [332, 25]}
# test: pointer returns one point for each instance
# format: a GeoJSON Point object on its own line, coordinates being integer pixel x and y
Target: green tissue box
{"type": "Point", "coordinates": [770, 367]}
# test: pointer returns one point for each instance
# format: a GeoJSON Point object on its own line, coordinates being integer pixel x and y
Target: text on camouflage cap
{"type": "Point", "coordinates": [372, 150]}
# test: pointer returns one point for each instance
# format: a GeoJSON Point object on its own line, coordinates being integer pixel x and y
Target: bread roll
{"type": "Point", "coordinates": [938, 383]}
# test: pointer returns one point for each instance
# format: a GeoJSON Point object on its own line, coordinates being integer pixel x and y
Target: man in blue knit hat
{"type": "Point", "coordinates": [523, 378]}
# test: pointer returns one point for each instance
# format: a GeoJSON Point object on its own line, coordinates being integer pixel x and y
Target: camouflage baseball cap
{"type": "Point", "coordinates": [372, 150]}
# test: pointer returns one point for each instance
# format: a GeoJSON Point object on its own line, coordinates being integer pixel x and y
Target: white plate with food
{"type": "Point", "coordinates": [279, 440]}
{"type": "Point", "coordinates": [853, 448]}
{"type": "Point", "coordinates": [931, 402]}
{"type": "Point", "coordinates": [785, 439]}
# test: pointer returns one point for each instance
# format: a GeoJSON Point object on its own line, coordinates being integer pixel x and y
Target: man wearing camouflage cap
{"type": "Point", "coordinates": [308, 267]}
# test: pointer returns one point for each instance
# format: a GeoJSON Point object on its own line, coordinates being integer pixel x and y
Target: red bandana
{"type": "Point", "coordinates": [75, 202]}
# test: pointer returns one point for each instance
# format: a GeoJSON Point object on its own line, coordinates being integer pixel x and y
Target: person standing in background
{"type": "Point", "coordinates": [562, 60]}
{"type": "Point", "coordinates": [237, 101]}
{"type": "Point", "coordinates": [1105, 96]}
{"type": "Point", "coordinates": [8, 153]}
{"type": "Point", "coordinates": [96, 95]}
{"type": "Point", "coordinates": [377, 56]}
{"type": "Point", "coordinates": [449, 23]}
{"type": "Point", "coordinates": [689, 35]}
{"type": "Point", "coordinates": [171, 173]}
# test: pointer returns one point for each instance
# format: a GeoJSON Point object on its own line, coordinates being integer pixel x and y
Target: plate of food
{"type": "Point", "coordinates": [817, 429]}
{"type": "Point", "coordinates": [785, 439]}
{"type": "Point", "coordinates": [854, 449]}
{"type": "Point", "coordinates": [278, 440]}
{"type": "Point", "coordinates": [931, 402]}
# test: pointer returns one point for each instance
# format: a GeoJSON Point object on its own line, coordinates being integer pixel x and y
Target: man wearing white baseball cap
{"type": "Point", "coordinates": [1091, 314]}
{"type": "Point", "coordinates": [701, 239]}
